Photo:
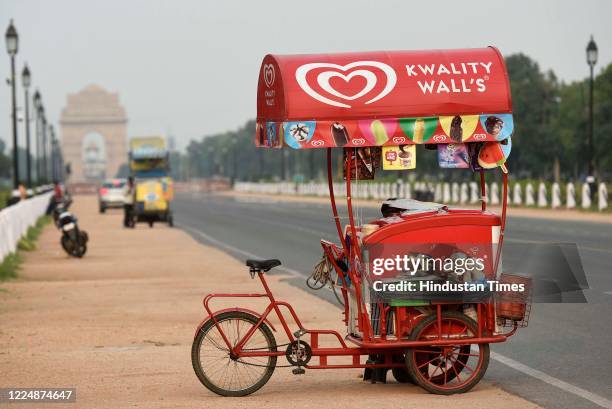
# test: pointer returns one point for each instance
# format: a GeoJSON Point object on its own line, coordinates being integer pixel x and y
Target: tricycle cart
{"type": "Point", "coordinates": [376, 107]}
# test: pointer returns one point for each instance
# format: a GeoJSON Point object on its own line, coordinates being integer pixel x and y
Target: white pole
{"type": "Point", "coordinates": [556, 196]}
{"type": "Point", "coordinates": [603, 197]}
{"type": "Point", "coordinates": [570, 201]}
{"type": "Point", "coordinates": [517, 199]}
{"type": "Point", "coordinates": [586, 196]}
{"type": "Point", "coordinates": [438, 193]}
{"type": "Point", "coordinates": [529, 199]}
{"type": "Point", "coordinates": [464, 197]}
{"type": "Point", "coordinates": [455, 192]}
{"type": "Point", "coordinates": [542, 200]}
{"type": "Point", "coordinates": [474, 196]}
{"type": "Point", "coordinates": [446, 193]}
{"type": "Point", "coordinates": [494, 194]}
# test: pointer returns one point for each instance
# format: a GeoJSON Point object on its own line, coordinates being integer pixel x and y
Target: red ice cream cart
{"type": "Point", "coordinates": [376, 107]}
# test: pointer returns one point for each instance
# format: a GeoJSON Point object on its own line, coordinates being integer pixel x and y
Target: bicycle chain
{"type": "Point", "coordinates": [259, 349]}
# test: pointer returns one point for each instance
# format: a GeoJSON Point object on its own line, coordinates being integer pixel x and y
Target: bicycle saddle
{"type": "Point", "coordinates": [263, 265]}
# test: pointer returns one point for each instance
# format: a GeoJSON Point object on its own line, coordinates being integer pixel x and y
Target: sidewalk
{"type": "Point", "coordinates": [552, 214]}
{"type": "Point", "coordinates": [119, 323]}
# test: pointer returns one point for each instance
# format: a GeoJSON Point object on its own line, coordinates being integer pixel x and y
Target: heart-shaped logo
{"type": "Point", "coordinates": [439, 138]}
{"type": "Point", "coordinates": [346, 73]}
{"type": "Point", "coordinates": [318, 142]}
{"type": "Point", "coordinates": [358, 141]}
{"type": "Point", "coordinates": [399, 140]}
{"type": "Point", "coordinates": [269, 74]}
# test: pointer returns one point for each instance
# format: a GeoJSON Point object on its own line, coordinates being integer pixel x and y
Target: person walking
{"type": "Point", "coordinates": [128, 203]}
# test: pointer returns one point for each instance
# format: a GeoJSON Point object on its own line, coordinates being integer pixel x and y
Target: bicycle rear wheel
{"type": "Point", "coordinates": [233, 376]}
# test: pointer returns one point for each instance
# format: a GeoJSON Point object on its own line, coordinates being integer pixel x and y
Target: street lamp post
{"type": "Point", "coordinates": [54, 158]}
{"type": "Point", "coordinates": [591, 54]}
{"type": "Point", "coordinates": [43, 127]}
{"type": "Point", "coordinates": [12, 46]}
{"type": "Point", "coordinates": [37, 109]}
{"type": "Point", "coordinates": [26, 80]}
{"type": "Point", "coordinates": [51, 154]}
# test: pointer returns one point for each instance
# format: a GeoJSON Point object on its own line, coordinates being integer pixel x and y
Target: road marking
{"type": "Point", "coordinates": [567, 387]}
{"type": "Point", "coordinates": [551, 380]}
{"type": "Point", "coordinates": [231, 248]}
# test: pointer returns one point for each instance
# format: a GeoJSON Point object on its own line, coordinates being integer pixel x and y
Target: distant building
{"type": "Point", "coordinates": [94, 134]}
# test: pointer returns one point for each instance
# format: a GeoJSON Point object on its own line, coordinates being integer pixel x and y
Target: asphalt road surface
{"type": "Point", "coordinates": [562, 360]}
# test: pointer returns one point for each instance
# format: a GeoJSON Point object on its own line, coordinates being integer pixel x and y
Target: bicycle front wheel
{"type": "Point", "coordinates": [224, 374]}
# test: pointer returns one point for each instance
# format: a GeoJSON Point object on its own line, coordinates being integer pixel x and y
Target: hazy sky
{"type": "Point", "coordinates": [189, 67]}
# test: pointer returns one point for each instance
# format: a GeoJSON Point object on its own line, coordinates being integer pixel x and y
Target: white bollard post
{"type": "Point", "coordinates": [586, 196]}
{"type": "Point", "coordinates": [603, 197]}
{"type": "Point", "coordinates": [542, 200]}
{"type": "Point", "coordinates": [474, 197]}
{"type": "Point", "coordinates": [556, 196]}
{"type": "Point", "coordinates": [371, 191]}
{"type": "Point", "coordinates": [570, 196]}
{"type": "Point", "coordinates": [529, 199]}
{"type": "Point", "coordinates": [464, 197]}
{"type": "Point", "coordinates": [438, 193]}
{"type": "Point", "coordinates": [408, 191]}
{"type": "Point", "coordinates": [494, 194]}
{"type": "Point", "coordinates": [517, 198]}
{"type": "Point", "coordinates": [446, 193]}
{"type": "Point", "coordinates": [394, 190]}
{"type": "Point", "coordinates": [455, 192]}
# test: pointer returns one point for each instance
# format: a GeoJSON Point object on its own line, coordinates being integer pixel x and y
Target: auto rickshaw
{"type": "Point", "coordinates": [375, 107]}
{"type": "Point", "coordinates": [149, 166]}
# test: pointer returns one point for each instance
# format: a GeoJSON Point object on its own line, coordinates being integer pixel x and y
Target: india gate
{"type": "Point", "coordinates": [94, 134]}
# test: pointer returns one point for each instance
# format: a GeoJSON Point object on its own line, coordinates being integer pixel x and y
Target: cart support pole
{"type": "Point", "coordinates": [500, 242]}
{"type": "Point", "coordinates": [332, 197]}
{"type": "Point", "coordinates": [349, 202]}
{"type": "Point", "coordinates": [483, 191]}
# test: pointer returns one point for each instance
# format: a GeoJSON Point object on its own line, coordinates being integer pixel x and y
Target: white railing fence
{"type": "Point", "coordinates": [518, 194]}
{"type": "Point", "coordinates": [16, 219]}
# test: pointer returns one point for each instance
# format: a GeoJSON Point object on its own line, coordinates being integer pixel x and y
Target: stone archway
{"type": "Point", "coordinates": [94, 134]}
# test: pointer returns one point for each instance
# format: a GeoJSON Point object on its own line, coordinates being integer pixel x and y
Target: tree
{"type": "Point", "coordinates": [536, 111]}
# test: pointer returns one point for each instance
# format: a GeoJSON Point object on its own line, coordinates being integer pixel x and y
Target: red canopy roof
{"type": "Point", "coordinates": [386, 88]}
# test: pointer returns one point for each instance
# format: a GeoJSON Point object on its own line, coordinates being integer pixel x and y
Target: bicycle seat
{"type": "Point", "coordinates": [263, 265]}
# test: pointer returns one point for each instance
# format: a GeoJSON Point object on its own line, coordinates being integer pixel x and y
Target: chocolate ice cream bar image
{"type": "Point", "coordinates": [339, 133]}
{"type": "Point", "coordinates": [494, 125]}
{"type": "Point", "coordinates": [456, 132]}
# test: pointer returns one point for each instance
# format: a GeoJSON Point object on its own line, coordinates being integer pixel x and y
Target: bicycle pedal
{"type": "Point", "coordinates": [298, 371]}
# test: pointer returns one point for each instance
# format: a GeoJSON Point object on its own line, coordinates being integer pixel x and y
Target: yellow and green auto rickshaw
{"type": "Point", "coordinates": [149, 166]}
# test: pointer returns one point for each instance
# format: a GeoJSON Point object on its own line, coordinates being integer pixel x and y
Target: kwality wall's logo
{"type": "Point", "coordinates": [379, 79]}
{"type": "Point", "coordinates": [322, 89]}
{"type": "Point", "coordinates": [269, 74]}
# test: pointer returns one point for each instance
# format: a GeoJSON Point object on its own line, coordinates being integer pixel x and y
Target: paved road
{"type": "Point", "coordinates": [563, 360]}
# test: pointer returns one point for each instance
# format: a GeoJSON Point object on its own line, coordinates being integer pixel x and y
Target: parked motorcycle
{"type": "Point", "coordinates": [74, 240]}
